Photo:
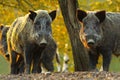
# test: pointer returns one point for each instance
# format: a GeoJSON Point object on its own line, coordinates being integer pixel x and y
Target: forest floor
{"type": "Point", "coordinates": [64, 76]}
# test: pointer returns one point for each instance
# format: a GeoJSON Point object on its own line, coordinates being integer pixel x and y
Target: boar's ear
{"type": "Point", "coordinates": [81, 14]}
{"type": "Point", "coordinates": [101, 15]}
{"type": "Point", "coordinates": [1, 27]}
{"type": "Point", "coordinates": [32, 15]}
{"type": "Point", "coordinates": [53, 14]}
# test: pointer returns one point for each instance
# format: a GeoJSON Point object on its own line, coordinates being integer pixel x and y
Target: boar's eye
{"type": "Point", "coordinates": [37, 25]}
{"type": "Point", "coordinates": [48, 23]}
{"type": "Point", "coordinates": [85, 22]}
{"type": "Point", "coordinates": [86, 26]}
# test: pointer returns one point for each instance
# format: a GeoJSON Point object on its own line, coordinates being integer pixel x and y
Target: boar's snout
{"type": "Point", "coordinates": [91, 42]}
{"type": "Point", "coordinates": [43, 42]}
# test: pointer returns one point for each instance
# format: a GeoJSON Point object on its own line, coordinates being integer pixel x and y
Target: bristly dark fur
{"type": "Point", "coordinates": [100, 33]}
{"type": "Point", "coordinates": [3, 41]}
{"type": "Point", "coordinates": [28, 37]}
{"type": "Point", "coordinates": [4, 50]}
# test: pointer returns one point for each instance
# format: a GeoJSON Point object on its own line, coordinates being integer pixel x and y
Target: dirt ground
{"type": "Point", "coordinates": [64, 76]}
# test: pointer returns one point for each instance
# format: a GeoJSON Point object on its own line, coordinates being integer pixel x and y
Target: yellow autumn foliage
{"type": "Point", "coordinates": [11, 9]}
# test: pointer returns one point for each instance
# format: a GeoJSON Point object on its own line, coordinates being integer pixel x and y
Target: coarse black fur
{"type": "Point", "coordinates": [100, 34]}
{"type": "Point", "coordinates": [28, 36]}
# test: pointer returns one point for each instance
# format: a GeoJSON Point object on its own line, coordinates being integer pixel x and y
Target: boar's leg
{"type": "Point", "coordinates": [106, 60]}
{"type": "Point", "coordinates": [14, 66]}
{"type": "Point", "coordinates": [20, 64]}
{"type": "Point", "coordinates": [36, 62]}
{"type": "Point", "coordinates": [21, 67]}
{"type": "Point", "coordinates": [93, 60]}
{"type": "Point", "coordinates": [28, 55]}
{"type": "Point", "coordinates": [48, 64]}
{"type": "Point", "coordinates": [39, 68]}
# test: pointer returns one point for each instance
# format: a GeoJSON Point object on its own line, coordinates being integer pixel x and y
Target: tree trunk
{"type": "Point", "coordinates": [68, 8]}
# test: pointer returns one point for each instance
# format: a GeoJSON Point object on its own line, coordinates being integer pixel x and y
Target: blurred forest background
{"type": "Point", "coordinates": [11, 9]}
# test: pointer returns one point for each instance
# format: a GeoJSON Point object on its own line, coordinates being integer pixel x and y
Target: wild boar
{"type": "Point", "coordinates": [4, 50]}
{"type": "Point", "coordinates": [3, 41]}
{"type": "Point", "coordinates": [28, 36]}
{"type": "Point", "coordinates": [100, 35]}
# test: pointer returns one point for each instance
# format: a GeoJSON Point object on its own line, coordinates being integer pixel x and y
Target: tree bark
{"type": "Point", "coordinates": [68, 9]}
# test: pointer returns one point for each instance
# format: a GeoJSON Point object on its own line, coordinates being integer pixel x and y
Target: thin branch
{"type": "Point", "coordinates": [7, 5]}
{"type": "Point", "coordinates": [21, 6]}
{"type": "Point", "coordinates": [29, 4]}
